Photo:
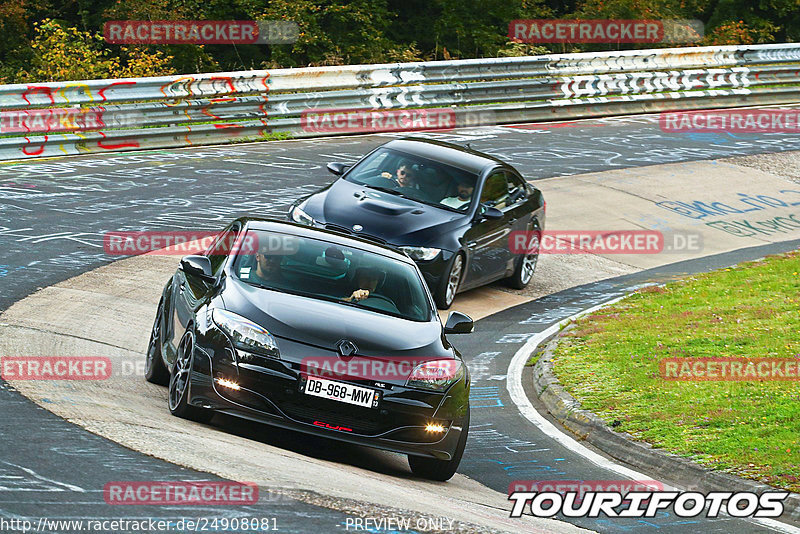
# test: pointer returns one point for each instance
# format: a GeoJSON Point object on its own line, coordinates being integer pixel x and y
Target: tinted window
{"type": "Point", "coordinates": [516, 188]}
{"type": "Point", "coordinates": [319, 269]}
{"type": "Point", "coordinates": [220, 248]}
{"type": "Point", "coordinates": [495, 190]}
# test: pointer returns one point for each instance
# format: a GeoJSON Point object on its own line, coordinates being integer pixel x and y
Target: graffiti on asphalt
{"type": "Point", "coordinates": [741, 203]}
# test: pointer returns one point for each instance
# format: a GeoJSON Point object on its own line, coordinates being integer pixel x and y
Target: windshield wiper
{"type": "Point", "coordinates": [387, 190]}
{"type": "Point", "coordinates": [262, 286]}
{"type": "Point", "coordinates": [302, 293]}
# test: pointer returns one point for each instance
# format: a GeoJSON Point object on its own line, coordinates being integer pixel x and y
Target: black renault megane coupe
{"type": "Point", "coordinates": [315, 331]}
{"type": "Point", "coordinates": [450, 208]}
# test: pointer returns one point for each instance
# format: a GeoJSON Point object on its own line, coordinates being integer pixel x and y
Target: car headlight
{"type": "Point", "coordinates": [421, 253]}
{"type": "Point", "coordinates": [246, 334]}
{"type": "Point", "coordinates": [436, 375]}
{"type": "Point", "coordinates": [299, 216]}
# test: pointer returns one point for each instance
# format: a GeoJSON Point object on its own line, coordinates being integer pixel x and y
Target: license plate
{"type": "Point", "coordinates": [342, 392]}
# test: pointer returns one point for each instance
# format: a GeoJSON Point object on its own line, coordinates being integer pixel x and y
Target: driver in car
{"type": "Point", "coordinates": [367, 280]}
{"type": "Point", "coordinates": [268, 267]}
{"type": "Point", "coordinates": [404, 175]}
{"type": "Point", "coordinates": [465, 189]}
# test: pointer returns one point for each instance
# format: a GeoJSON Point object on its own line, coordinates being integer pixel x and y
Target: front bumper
{"type": "Point", "coordinates": [435, 270]}
{"type": "Point", "coordinates": [269, 392]}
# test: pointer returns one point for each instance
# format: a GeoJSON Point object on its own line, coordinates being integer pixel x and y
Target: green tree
{"type": "Point", "coordinates": [15, 24]}
{"type": "Point", "coordinates": [186, 58]}
{"type": "Point", "coordinates": [333, 32]}
{"type": "Point", "coordinates": [480, 28]}
{"type": "Point", "coordinates": [456, 29]}
{"type": "Point", "coordinates": [67, 54]}
{"type": "Point", "coordinates": [63, 54]}
{"type": "Point", "coordinates": [762, 21]}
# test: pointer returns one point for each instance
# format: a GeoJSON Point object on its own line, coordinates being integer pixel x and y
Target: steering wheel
{"type": "Point", "coordinates": [381, 297]}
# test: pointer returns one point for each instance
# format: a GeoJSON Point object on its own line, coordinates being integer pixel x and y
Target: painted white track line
{"type": "Point", "coordinates": [520, 399]}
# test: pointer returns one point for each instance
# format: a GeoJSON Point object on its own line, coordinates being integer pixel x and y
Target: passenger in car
{"type": "Point", "coordinates": [465, 189]}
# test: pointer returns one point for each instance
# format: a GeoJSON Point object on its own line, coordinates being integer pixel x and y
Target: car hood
{"type": "Point", "coordinates": [395, 219]}
{"type": "Point", "coordinates": [323, 324]}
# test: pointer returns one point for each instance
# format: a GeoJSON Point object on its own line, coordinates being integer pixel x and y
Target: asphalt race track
{"type": "Point", "coordinates": [53, 214]}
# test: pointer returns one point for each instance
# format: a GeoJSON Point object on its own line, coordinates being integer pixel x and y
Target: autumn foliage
{"type": "Point", "coordinates": [51, 40]}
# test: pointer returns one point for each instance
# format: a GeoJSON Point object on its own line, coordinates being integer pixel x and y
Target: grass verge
{"type": "Point", "coordinates": [610, 363]}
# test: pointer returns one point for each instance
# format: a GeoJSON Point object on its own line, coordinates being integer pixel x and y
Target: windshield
{"type": "Point", "coordinates": [319, 269]}
{"type": "Point", "coordinates": [417, 178]}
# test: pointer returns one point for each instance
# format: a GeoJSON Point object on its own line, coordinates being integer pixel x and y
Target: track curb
{"type": "Point", "coordinates": [588, 427]}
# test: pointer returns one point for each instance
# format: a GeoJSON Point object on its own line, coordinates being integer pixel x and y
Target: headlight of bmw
{"type": "Point", "coordinates": [421, 253]}
{"type": "Point", "coordinates": [245, 334]}
{"type": "Point", "coordinates": [299, 216]}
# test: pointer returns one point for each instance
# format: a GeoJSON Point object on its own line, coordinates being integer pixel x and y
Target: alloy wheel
{"type": "Point", "coordinates": [180, 376]}
{"type": "Point", "coordinates": [155, 339]}
{"type": "Point", "coordinates": [529, 262]}
{"type": "Point", "coordinates": [454, 279]}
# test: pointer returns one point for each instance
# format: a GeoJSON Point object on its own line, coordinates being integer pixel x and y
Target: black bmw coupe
{"type": "Point", "coordinates": [315, 331]}
{"type": "Point", "coordinates": [450, 208]}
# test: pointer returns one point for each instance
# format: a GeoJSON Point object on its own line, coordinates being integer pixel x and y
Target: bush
{"type": "Point", "coordinates": [63, 54]}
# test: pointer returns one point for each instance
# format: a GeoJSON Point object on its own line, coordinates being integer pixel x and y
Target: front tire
{"type": "Point", "coordinates": [441, 470]}
{"type": "Point", "coordinates": [180, 383]}
{"type": "Point", "coordinates": [155, 371]}
{"type": "Point", "coordinates": [449, 285]}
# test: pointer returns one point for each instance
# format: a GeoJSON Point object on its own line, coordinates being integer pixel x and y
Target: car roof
{"type": "Point", "coordinates": [338, 238]}
{"type": "Point", "coordinates": [464, 158]}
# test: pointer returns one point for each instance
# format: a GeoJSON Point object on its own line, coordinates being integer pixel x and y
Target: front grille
{"type": "Point", "coordinates": [361, 420]}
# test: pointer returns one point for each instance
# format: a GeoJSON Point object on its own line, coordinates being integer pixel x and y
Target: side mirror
{"type": "Point", "coordinates": [488, 212]}
{"type": "Point", "coordinates": [337, 168]}
{"type": "Point", "coordinates": [458, 323]}
{"type": "Point", "coordinates": [198, 266]}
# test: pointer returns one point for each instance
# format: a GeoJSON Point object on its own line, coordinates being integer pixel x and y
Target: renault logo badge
{"type": "Point", "coordinates": [346, 348]}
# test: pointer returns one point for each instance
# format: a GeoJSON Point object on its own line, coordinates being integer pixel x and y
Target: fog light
{"type": "Point", "coordinates": [230, 384]}
{"type": "Point", "coordinates": [435, 427]}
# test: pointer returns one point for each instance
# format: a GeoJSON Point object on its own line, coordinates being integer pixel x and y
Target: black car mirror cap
{"type": "Point", "coordinates": [489, 212]}
{"type": "Point", "coordinates": [337, 168]}
{"type": "Point", "coordinates": [459, 323]}
{"type": "Point", "coordinates": [199, 266]}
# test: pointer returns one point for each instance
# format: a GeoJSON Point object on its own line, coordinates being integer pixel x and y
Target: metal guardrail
{"type": "Point", "coordinates": [52, 119]}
